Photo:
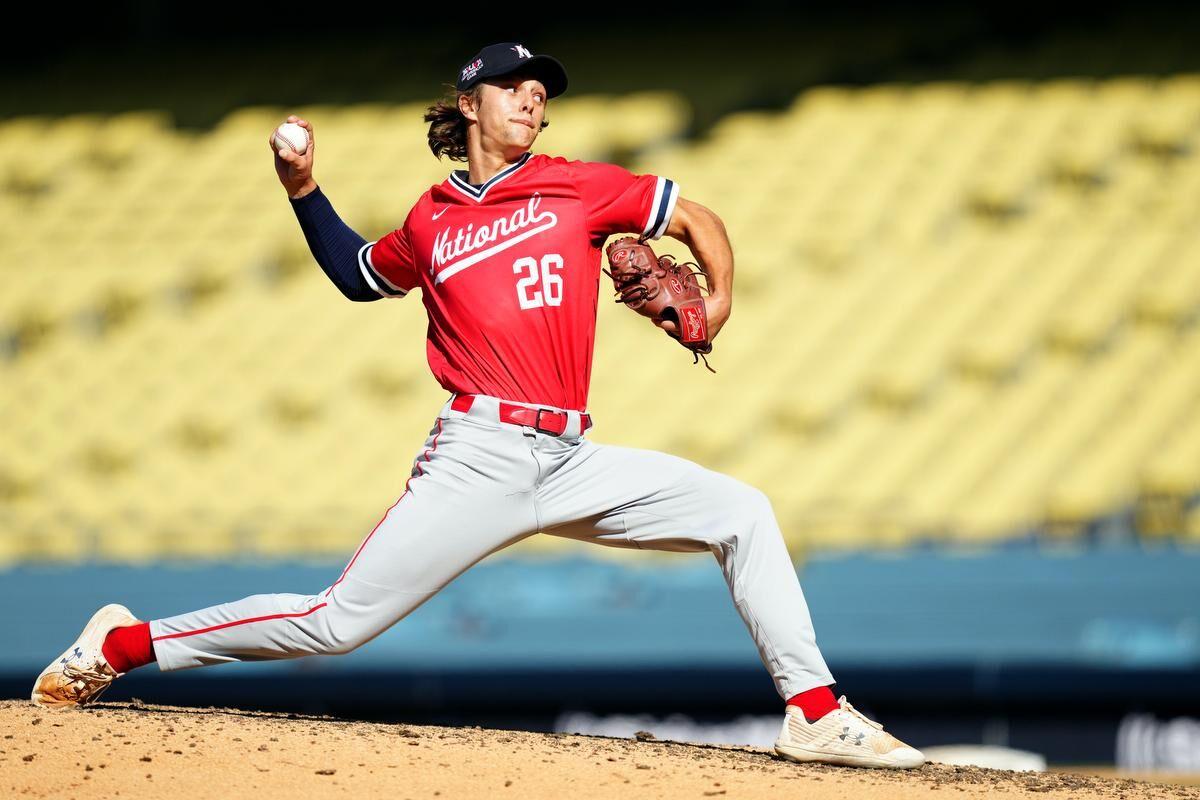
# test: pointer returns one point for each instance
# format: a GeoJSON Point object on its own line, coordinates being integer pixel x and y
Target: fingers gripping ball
{"type": "Point", "coordinates": [660, 288]}
{"type": "Point", "coordinates": [290, 136]}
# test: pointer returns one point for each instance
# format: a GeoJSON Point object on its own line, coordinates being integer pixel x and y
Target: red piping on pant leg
{"type": "Point", "coordinates": [211, 628]}
{"type": "Point", "coordinates": [425, 455]}
{"type": "Point", "coordinates": [420, 471]}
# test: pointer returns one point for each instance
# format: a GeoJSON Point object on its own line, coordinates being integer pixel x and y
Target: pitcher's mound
{"type": "Point", "coordinates": [136, 750]}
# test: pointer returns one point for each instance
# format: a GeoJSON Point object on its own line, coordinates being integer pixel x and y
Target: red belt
{"type": "Point", "coordinates": [545, 420]}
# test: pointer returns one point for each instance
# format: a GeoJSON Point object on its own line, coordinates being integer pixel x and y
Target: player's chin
{"type": "Point", "coordinates": [523, 135]}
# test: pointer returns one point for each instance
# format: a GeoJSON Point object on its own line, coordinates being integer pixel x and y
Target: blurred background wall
{"type": "Point", "coordinates": [964, 362]}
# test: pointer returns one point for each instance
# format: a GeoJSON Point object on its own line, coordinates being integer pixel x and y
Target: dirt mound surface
{"type": "Point", "coordinates": [138, 750]}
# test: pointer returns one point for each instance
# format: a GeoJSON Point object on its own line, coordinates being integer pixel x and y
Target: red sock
{"type": "Point", "coordinates": [127, 648]}
{"type": "Point", "coordinates": [815, 703]}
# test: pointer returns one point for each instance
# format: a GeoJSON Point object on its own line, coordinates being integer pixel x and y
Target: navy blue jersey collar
{"type": "Point", "coordinates": [458, 179]}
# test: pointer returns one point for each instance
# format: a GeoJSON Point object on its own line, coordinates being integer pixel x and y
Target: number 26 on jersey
{"type": "Point", "coordinates": [540, 284]}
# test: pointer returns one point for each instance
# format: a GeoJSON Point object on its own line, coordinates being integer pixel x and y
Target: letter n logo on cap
{"type": "Point", "coordinates": [521, 51]}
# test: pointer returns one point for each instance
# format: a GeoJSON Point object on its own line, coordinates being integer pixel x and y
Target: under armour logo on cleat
{"type": "Point", "coordinates": [845, 736]}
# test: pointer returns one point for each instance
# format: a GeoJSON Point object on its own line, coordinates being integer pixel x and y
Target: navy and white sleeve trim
{"type": "Point", "coordinates": [374, 278]}
{"type": "Point", "coordinates": [666, 192]}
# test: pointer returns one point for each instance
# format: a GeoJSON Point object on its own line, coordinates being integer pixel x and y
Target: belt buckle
{"type": "Point", "coordinates": [537, 423]}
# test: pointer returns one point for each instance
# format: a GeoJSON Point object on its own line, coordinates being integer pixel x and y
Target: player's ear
{"type": "Point", "coordinates": [468, 103]}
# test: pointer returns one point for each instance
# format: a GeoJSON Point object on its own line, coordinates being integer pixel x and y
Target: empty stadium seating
{"type": "Point", "coordinates": [964, 313]}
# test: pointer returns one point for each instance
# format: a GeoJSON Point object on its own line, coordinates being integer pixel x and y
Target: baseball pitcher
{"type": "Point", "coordinates": [506, 257]}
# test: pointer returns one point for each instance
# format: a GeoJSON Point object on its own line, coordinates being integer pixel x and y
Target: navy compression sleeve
{"type": "Point", "coordinates": [333, 244]}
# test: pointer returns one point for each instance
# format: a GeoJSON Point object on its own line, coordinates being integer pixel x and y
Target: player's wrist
{"type": "Point", "coordinates": [724, 299]}
{"type": "Point", "coordinates": [308, 188]}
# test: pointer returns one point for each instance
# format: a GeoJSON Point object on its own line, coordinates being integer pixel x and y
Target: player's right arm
{"type": "Point", "coordinates": [343, 255]}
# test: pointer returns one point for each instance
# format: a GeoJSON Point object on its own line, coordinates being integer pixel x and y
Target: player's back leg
{"type": "Point", "coordinates": [469, 494]}
{"type": "Point", "coordinates": [462, 502]}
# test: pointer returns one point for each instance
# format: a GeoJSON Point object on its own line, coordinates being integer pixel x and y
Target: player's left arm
{"type": "Point", "coordinates": [703, 232]}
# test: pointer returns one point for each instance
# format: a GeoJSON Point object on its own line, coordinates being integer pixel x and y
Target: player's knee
{"type": "Point", "coordinates": [756, 517]}
{"type": "Point", "coordinates": [341, 632]}
{"type": "Point", "coordinates": [344, 638]}
{"type": "Point", "coordinates": [751, 502]}
{"type": "Point", "coordinates": [745, 510]}
{"type": "Point", "coordinates": [340, 647]}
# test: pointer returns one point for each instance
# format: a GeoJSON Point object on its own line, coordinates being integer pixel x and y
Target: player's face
{"type": "Point", "coordinates": [510, 113]}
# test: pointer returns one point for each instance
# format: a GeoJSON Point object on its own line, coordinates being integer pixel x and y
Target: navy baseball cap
{"type": "Point", "coordinates": [507, 57]}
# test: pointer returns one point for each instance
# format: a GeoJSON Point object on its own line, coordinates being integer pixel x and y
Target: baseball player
{"type": "Point", "coordinates": [506, 257]}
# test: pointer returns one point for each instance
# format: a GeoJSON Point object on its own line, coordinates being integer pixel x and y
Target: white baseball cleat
{"type": "Point", "coordinates": [843, 736]}
{"type": "Point", "coordinates": [81, 674]}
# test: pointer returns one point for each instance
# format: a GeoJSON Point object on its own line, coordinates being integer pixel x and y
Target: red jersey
{"type": "Point", "coordinates": [510, 271]}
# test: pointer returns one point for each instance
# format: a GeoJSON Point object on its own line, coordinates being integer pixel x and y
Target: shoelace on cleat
{"type": "Point", "coordinates": [93, 681]}
{"type": "Point", "coordinates": [858, 714]}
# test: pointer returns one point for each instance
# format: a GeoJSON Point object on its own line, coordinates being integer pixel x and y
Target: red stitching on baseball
{"type": "Point", "coordinates": [291, 146]}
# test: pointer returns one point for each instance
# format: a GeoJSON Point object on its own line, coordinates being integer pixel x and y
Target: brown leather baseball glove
{"type": "Point", "coordinates": [660, 288]}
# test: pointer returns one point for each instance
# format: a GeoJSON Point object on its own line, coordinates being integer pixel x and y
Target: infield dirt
{"type": "Point", "coordinates": [136, 750]}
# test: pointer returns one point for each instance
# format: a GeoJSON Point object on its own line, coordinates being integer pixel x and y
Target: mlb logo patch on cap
{"type": "Point", "coordinates": [470, 70]}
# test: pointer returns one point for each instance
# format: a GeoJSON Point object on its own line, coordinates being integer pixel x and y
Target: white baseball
{"type": "Point", "coordinates": [290, 136]}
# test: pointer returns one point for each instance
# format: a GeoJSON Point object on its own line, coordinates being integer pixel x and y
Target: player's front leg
{"type": "Point", "coordinates": [629, 497]}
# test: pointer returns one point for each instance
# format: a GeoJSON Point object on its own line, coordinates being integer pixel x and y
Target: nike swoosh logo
{"type": "Point", "coordinates": [443, 211]}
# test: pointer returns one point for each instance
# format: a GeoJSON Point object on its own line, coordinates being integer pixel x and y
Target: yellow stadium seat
{"type": "Point", "coordinates": [963, 311]}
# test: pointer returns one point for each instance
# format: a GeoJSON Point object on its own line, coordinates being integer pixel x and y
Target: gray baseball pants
{"type": "Point", "coordinates": [480, 485]}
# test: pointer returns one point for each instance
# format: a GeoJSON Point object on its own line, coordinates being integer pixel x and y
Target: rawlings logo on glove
{"type": "Point", "coordinates": [660, 288]}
